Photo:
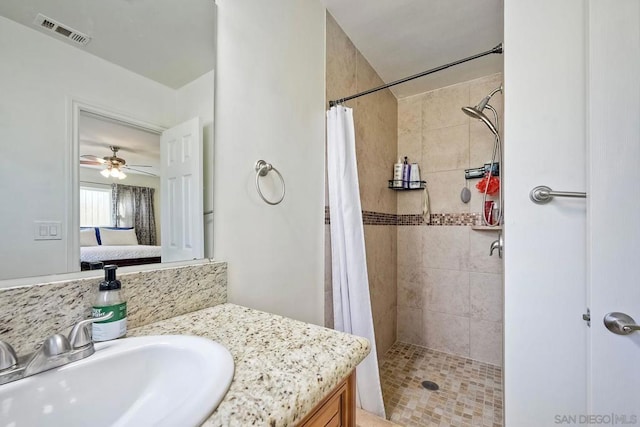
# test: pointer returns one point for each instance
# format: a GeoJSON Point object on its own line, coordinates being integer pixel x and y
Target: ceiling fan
{"type": "Point", "coordinates": [114, 165]}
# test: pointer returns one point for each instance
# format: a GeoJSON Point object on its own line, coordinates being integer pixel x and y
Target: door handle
{"type": "Point", "coordinates": [620, 323]}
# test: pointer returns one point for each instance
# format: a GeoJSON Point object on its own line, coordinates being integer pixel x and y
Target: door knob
{"type": "Point", "coordinates": [620, 323]}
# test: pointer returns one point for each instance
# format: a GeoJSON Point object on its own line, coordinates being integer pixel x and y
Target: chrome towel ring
{"type": "Point", "coordinates": [262, 169]}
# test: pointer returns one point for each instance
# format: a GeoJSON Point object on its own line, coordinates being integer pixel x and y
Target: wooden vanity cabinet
{"type": "Point", "coordinates": [338, 409]}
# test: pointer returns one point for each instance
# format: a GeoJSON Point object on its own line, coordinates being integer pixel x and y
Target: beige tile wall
{"type": "Point", "coordinates": [433, 286]}
{"type": "Point", "coordinates": [449, 288]}
{"type": "Point", "coordinates": [376, 128]}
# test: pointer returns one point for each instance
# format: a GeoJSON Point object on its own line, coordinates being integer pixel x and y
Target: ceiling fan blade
{"type": "Point", "coordinates": [90, 162]}
{"type": "Point", "coordinates": [140, 166]}
{"type": "Point", "coordinates": [144, 172]}
{"type": "Point", "coordinates": [94, 158]}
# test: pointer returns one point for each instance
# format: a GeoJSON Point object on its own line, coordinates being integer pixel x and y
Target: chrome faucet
{"type": "Point", "coordinates": [497, 244]}
{"type": "Point", "coordinates": [55, 351]}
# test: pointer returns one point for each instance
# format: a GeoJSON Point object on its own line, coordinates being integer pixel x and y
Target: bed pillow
{"type": "Point", "coordinates": [109, 228]}
{"type": "Point", "coordinates": [110, 237]}
{"type": "Point", "coordinates": [88, 237]}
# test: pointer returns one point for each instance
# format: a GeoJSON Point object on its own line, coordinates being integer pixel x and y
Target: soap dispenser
{"type": "Point", "coordinates": [110, 300]}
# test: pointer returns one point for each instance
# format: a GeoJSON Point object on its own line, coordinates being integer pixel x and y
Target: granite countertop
{"type": "Point", "coordinates": [283, 367]}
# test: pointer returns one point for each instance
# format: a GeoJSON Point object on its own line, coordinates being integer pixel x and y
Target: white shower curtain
{"type": "Point", "coordinates": [351, 303]}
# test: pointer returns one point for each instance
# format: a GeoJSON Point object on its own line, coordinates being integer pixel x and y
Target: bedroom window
{"type": "Point", "coordinates": [95, 207]}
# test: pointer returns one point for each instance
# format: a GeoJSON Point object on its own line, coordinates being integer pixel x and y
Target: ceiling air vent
{"type": "Point", "coordinates": [62, 30]}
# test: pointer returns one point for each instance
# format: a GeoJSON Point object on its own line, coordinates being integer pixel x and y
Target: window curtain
{"type": "Point", "coordinates": [133, 207]}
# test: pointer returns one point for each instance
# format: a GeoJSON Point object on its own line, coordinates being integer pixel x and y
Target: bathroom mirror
{"type": "Point", "coordinates": [147, 64]}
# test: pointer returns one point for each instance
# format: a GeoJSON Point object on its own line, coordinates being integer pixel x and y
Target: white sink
{"type": "Point", "coordinates": [167, 380]}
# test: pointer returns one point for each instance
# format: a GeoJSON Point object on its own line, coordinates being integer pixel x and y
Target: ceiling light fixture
{"type": "Point", "coordinates": [113, 172]}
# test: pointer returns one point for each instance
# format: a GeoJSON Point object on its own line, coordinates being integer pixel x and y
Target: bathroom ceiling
{"type": "Point", "coordinates": [400, 38]}
{"type": "Point", "coordinates": [169, 41]}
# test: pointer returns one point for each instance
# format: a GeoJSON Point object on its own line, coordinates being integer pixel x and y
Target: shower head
{"type": "Point", "coordinates": [477, 111]}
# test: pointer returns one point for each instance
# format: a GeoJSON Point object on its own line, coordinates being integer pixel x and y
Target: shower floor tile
{"type": "Point", "coordinates": [470, 392]}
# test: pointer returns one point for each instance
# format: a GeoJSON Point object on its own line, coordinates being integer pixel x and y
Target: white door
{"type": "Point", "coordinates": [181, 192]}
{"type": "Point", "coordinates": [614, 207]}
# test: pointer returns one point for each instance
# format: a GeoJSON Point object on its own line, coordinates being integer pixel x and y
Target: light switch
{"type": "Point", "coordinates": [47, 230]}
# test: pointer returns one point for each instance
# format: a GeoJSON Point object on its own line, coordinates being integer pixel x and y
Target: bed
{"type": "Point", "coordinates": [120, 255]}
{"type": "Point", "coordinates": [101, 246]}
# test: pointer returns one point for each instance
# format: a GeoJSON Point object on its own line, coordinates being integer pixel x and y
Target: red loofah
{"type": "Point", "coordinates": [494, 184]}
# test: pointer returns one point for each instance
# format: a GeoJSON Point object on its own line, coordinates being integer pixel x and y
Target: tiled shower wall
{"type": "Point", "coordinates": [450, 294]}
{"type": "Point", "coordinates": [375, 118]}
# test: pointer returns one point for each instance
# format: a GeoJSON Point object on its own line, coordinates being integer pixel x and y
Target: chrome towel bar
{"type": "Point", "coordinates": [543, 194]}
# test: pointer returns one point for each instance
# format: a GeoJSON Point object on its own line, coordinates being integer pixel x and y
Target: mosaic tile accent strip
{"type": "Point", "coordinates": [368, 218]}
{"type": "Point", "coordinates": [463, 219]}
{"type": "Point", "coordinates": [470, 392]}
{"type": "Point", "coordinates": [379, 218]}
{"type": "Point", "coordinates": [410, 219]}
{"type": "Point", "coordinates": [31, 313]}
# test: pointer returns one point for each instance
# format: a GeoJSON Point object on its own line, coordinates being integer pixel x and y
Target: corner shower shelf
{"type": "Point", "coordinates": [486, 228]}
{"type": "Point", "coordinates": [422, 186]}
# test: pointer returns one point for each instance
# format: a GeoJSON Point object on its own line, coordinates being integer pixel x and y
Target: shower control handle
{"type": "Point", "coordinates": [620, 323]}
{"type": "Point", "coordinates": [497, 244]}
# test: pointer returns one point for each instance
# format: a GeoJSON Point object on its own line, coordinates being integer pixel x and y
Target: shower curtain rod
{"type": "Point", "coordinates": [497, 49]}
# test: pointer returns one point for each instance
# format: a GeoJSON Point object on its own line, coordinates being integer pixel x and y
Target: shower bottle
{"type": "Point", "coordinates": [406, 173]}
{"type": "Point", "coordinates": [397, 174]}
{"type": "Point", "coordinates": [414, 176]}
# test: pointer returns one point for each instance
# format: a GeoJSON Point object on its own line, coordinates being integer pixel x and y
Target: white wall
{"type": "Point", "coordinates": [270, 105]}
{"type": "Point", "coordinates": [545, 259]}
{"type": "Point", "coordinates": [196, 99]}
{"type": "Point", "coordinates": [38, 76]}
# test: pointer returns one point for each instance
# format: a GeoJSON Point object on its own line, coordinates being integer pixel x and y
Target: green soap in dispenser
{"type": "Point", "coordinates": [110, 299]}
